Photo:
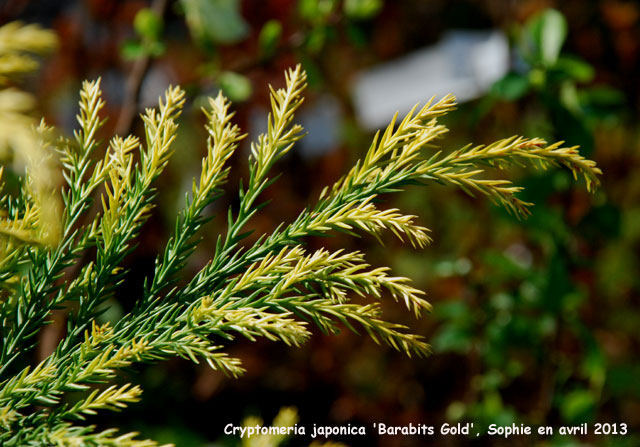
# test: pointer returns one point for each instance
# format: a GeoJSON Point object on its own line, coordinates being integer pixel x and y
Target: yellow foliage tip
{"type": "Point", "coordinates": [113, 398]}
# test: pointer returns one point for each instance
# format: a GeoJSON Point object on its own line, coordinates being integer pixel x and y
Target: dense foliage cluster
{"type": "Point", "coordinates": [273, 288]}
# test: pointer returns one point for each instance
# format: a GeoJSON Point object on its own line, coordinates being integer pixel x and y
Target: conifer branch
{"type": "Point", "coordinates": [273, 289]}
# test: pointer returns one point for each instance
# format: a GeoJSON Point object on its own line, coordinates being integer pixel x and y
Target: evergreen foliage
{"type": "Point", "coordinates": [273, 289]}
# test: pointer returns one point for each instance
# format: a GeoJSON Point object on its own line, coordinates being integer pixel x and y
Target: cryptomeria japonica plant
{"type": "Point", "coordinates": [274, 288]}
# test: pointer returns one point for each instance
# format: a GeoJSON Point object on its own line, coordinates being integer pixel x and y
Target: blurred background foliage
{"type": "Point", "coordinates": [535, 321]}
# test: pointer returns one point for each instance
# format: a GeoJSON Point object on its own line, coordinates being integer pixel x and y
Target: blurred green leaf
{"type": "Point", "coordinates": [594, 366]}
{"type": "Point", "coordinates": [548, 31]}
{"type": "Point", "coordinates": [452, 310]}
{"type": "Point", "coordinates": [132, 50]}
{"type": "Point", "coordinates": [269, 38]}
{"type": "Point", "coordinates": [562, 181]}
{"type": "Point", "coordinates": [537, 77]}
{"type": "Point", "coordinates": [503, 267]}
{"type": "Point", "coordinates": [492, 380]}
{"type": "Point", "coordinates": [316, 11]}
{"type": "Point", "coordinates": [603, 96]}
{"type": "Point", "coordinates": [452, 339]}
{"type": "Point", "coordinates": [148, 24]}
{"type": "Point", "coordinates": [456, 411]}
{"type": "Point", "coordinates": [502, 301]}
{"type": "Point", "coordinates": [156, 48]}
{"type": "Point", "coordinates": [362, 9]}
{"type": "Point", "coordinates": [617, 270]}
{"type": "Point", "coordinates": [511, 87]}
{"type": "Point", "coordinates": [236, 86]}
{"type": "Point", "coordinates": [492, 410]}
{"type": "Point", "coordinates": [514, 368]}
{"type": "Point", "coordinates": [455, 334]}
{"type": "Point", "coordinates": [575, 68]}
{"type": "Point", "coordinates": [444, 268]}
{"type": "Point", "coordinates": [578, 406]}
{"type": "Point", "coordinates": [569, 97]}
{"type": "Point", "coordinates": [316, 39]}
{"type": "Point", "coordinates": [215, 21]}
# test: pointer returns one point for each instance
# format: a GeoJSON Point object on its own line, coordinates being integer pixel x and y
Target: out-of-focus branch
{"type": "Point", "coordinates": [134, 82]}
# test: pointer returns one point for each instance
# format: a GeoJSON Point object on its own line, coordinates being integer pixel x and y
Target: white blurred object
{"type": "Point", "coordinates": [321, 120]}
{"type": "Point", "coordinates": [465, 63]}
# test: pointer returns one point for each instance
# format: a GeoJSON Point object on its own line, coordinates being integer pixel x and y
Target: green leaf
{"type": "Point", "coordinates": [537, 78]}
{"type": "Point", "coordinates": [215, 21]}
{"type": "Point", "coordinates": [575, 68]}
{"type": "Point", "coordinates": [452, 339]}
{"type": "Point", "coordinates": [269, 38]}
{"type": "Point", "coordinates": [578, 406]}
{"type": "Point", "coordinates": [569, 97]}
{"type": "Point", "coordinates": [362, 9]}
{"type": "Point", "coordinates": [453, 310]}
{"type": "Point", "coordinates": [602, 96]}
{"type": "Point", "coordinates": [548, 31]}
{"type": "Point", "coordinates": [132, 50]}
{"type": "Point", "coordinates": [156, 48]}
{"type": "Point", "coordinates": [148, 24]}
{"type": "Point", "coordinates": [316, 39]}
{"type": "Point", "coordinates": [511, 87]}
{"type": "Point", "coordinates": [316, 11]}
{"type": "Point", "coordinates": [594, 366]}
{"type": "Point", "coordinates": [236, 86]}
